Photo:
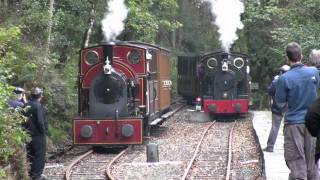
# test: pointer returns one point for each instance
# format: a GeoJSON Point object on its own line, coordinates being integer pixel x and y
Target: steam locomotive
{"type": "Point", "coordinates": [217, 82]}
{"type": "Point", "coordinates": [123, 88]}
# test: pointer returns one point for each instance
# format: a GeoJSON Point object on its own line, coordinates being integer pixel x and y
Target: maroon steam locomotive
{"type": "Point", "coordinates": [123, 87]}
{"type": "Point", "coordinates": [218, 82]}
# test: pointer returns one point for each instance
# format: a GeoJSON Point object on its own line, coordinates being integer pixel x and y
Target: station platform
{"type": "Point", "coordinates": [275, 166]}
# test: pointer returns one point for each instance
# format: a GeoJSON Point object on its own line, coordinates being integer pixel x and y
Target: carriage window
{"type": "Point", "coordinates": [134, 57]}
{"type": "Point", "coordinates": [179, 67]}
{"type": "Point", "coordinates": [212, 63]}
{"type": "Point", "coordinates": [92, 57]}
{"type": "Point", "coordinates": [238, 62]}
{"type": "Point", "coordinates": [153, 62]}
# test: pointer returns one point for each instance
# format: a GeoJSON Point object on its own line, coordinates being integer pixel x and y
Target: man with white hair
{"type": "Point", "coordinates": [277, 112]}
{"type": "Point", "coordinates": [314, 58]}
{"type": "Point", "coordinates": [312, 117]}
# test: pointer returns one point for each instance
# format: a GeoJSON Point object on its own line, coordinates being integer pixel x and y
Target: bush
{"type": "Point", "coordinates": [12, 136]}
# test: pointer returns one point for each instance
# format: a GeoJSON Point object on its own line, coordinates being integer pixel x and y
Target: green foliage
{"type": "Point", "coordinates": [198, 33]}
{"type": "Point", "coordinates": [34, 16]}
{"type": "Point", "coordinates": [15, 59]}
{"type": "Point", "coordinates": [270, 26]}
{"type": "Point", "coordinates": [301, 24]}
{"type": "Point", "coordinates": [147, 18]}
{"type": "Point", "coordinates": [12, 136]}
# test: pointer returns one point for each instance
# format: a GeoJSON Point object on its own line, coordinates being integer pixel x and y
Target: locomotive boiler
{"type": "Point", "coordinates": [123, 87]}
{"type": "Point", "coordinates": [218, 82]}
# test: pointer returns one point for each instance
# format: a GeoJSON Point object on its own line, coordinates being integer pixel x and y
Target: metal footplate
{"type": "Point", "coordinates": [165, 116]}
{"type": "Point", "coordinates": [156, 121]}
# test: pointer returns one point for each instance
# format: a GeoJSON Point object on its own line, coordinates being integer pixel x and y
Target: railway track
{"type": "Point", "coordinates": [91, 165]}
{"type": "Point", "coordinates": [212, 161]}
{"type": "Point", "coordinates": [65, 164]}
{"type": "Point", "coordinates": [227, 151]}
{"type": "Point", "coordinates": [178, 141]}
{"type": "Point", "coordinates": [96, 166]}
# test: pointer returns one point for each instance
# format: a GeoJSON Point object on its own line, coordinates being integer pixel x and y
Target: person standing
{"type": "Point", "coordinates": [20, 99]}
{"type": "Point", "coordinates": [277, 113]}
{"type": "Point", "coordinates": [312, 117]}
{"type": "Point", "coordinates": [298, 88]}
{"type": "Point", "coordinates": [314, 58]}
{"type": "Point", "coordinates": [38, 129]}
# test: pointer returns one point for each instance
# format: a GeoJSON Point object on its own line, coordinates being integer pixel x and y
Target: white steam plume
{"type": "Point", "coordinates": [113, 21]}
{"type": "Point", "coordinates": [227, 13]}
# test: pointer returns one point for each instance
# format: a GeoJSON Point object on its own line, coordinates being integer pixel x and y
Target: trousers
{"type": "Point", "coordinates": [36, 152]}
{"type": "Point", "coordinates": [299, 150]}
{"type": "Point", "coordinates": [276, 121]}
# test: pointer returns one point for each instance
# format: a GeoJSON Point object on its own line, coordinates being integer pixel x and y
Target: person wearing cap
{"type": "Point", "coordinates": [297, 89]}
{"type": "Point", "coordinates": [37, 128]}
{"type": "Point", "coordinates": [20, 98]}
{"type": "Point", "coordinates": [277, 112]}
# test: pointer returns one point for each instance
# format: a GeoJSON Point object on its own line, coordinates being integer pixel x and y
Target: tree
{"type": "Point", "coordinates": [270, 25]}
{"type": "Point", "coordinates": [12, 136]}
{"type": "Point", "coordinates": [148, 20]}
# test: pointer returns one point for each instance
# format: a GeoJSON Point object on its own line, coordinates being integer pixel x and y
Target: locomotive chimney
{"type": "Point", "coordinates": [226, 55]}
{"type": "Point", "coordinates": [112, 43]}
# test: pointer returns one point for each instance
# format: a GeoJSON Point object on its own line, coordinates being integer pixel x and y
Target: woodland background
{"type": "Point", "coordinates": [40, 41]}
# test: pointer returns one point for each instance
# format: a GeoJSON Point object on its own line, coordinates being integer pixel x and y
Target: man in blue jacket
{"type": "Point", "coordinates": [298, 88]}
{"type": "Point", "coordinates": [277, 113]}
{"type": "Point", "coordinates": [20, 99]}
{"type": "Point", "coordinates": [37, 126]}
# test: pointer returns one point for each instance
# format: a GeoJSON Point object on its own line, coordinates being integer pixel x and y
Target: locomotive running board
{"type": "Point", "coordinates": [165, 116]}
{"type": "Point", "coordinates": [156, 121]}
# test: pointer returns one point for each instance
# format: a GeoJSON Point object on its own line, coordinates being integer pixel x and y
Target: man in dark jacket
{"type": "Point", "coordinates": [312, 117]}
{"type": "Point", "coordinates": [313, 124]}
{"type": "Point", "coordinates": [37, 126]}
{"type": "Point", "coordinates": [297, 88]}
{"type": "Point", "coordinates": [277, 113]}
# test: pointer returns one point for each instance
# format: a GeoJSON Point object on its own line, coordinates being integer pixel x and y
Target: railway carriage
{"type": "Point", "coordinates": [123, 88]}
{"type": "Point", "coordinates": [218, 82]}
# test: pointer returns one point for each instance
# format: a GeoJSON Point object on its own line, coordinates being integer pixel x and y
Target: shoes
{"type": "Point", "coordinates": [267, 149]}
{"type": "Point", "coordinates": [42, 177]}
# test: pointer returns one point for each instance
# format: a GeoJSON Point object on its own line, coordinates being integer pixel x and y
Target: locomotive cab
{"type": "Point", "coordinates": [221, 81]}
{"type": "Point", "coordinates": [115, 88]}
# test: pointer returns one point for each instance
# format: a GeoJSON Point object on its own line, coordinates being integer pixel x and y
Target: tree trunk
{"type": "Point", "coordinates": [91, 23]}
{"type": "Point", "coordinates": [173, 38]}
{"type": "Point", "coordinates": [12, 4]}
{"type": "Point", "coordinates": [51, 9]}
{"type": "Point", "coordinates": [3, 3]}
